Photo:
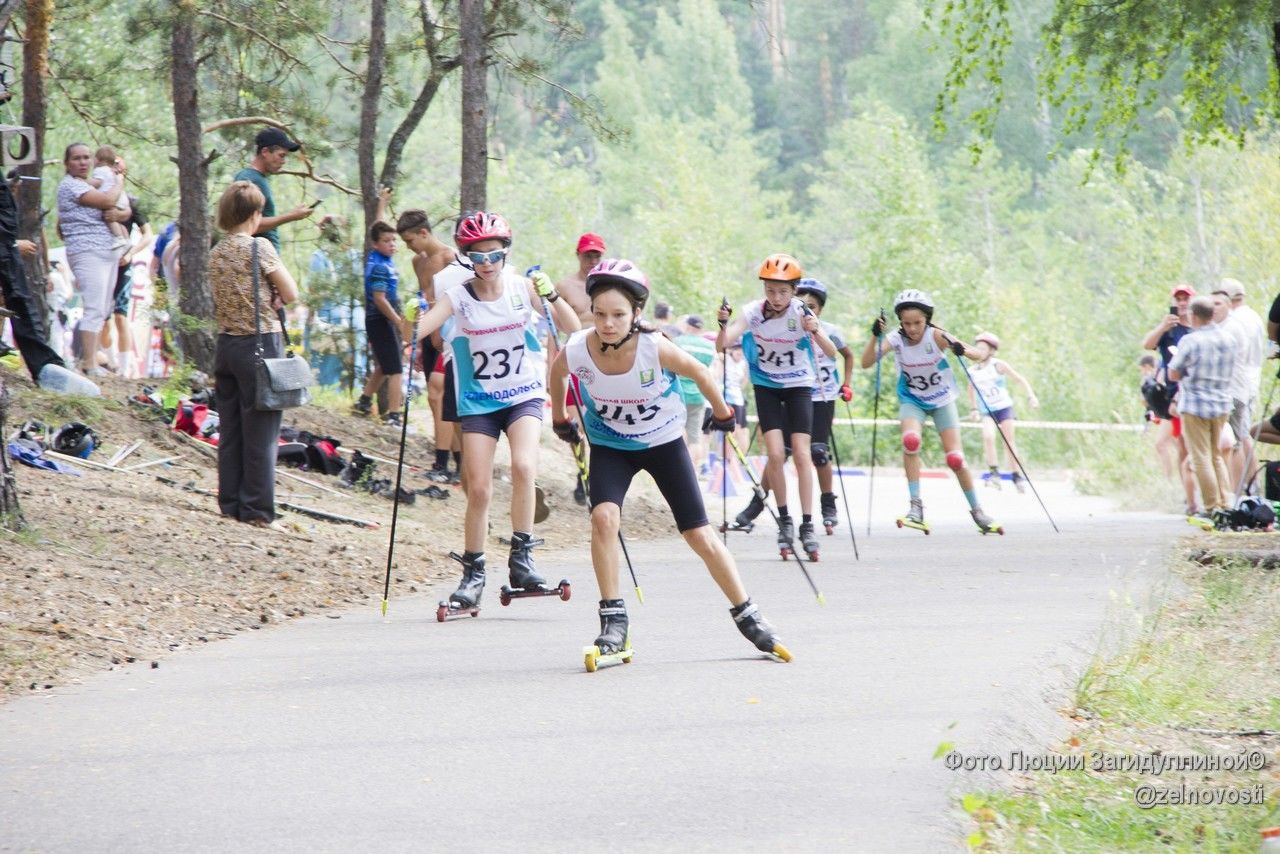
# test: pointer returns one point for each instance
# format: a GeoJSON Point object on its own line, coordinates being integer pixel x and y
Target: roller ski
{"type": "Point", "coordinates": [786, 537]}
{"type": "Point", "coordinates": [915, 517]}
{"type": "Point", "coordinates": [465, 601]}
{"type": "Point", "coordinates": [986, 525]}
{"type": "Point", "coordinates": [808, 541]}
{"type": "Point", "coordinates": [993, 479]}
{"type": "Point", "coordinates": [613, 646]}
{"type": "Point", "coordinates": [745, 521]}
{"type": "Point", "coordinates": [524, 580]}
{"type": "Point", "coordinates": [829, 516]}
{"type": "Point", "coordinates": [757, 630]}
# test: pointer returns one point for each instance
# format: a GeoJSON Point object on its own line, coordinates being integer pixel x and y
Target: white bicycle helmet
{"type": "Point", "coordinates": [912, 298]}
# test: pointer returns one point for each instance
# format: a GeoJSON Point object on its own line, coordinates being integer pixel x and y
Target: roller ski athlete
{"type": "Point", "coordinates": [635, 417]}
{"type": "Point", "coordinates": [986, 525]}
{"type": "Point", "coordinates": [779, 337]}
{"type": "Point", "coordinates": [915, 517]}
{"type": "Point", "coordinates": [614, 642]}
{"type": "Point", "coordinates": [831, 385]}
{"type": "Point", "coordinates": [989, 399]}
{"type": "Point", "coordinates": [466, 599]}
{"type": "Point", "coordinates": [786, 536]}
{"type": "Point", "coordinates": [497, 373]}
{"type": "Point", "coordinates": [926, 389]}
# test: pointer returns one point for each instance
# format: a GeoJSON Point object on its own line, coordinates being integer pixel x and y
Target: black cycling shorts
{"type": "Point", "coordinates": [787, 409]}
{"type": "Point", "coordinates": [612, 471]}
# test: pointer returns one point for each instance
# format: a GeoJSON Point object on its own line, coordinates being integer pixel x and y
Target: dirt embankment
{"type": "Point", "coordinates": [120, 569]}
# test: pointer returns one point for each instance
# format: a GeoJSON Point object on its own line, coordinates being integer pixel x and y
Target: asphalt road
{"type": "Point", "coordinates": [402, 734]}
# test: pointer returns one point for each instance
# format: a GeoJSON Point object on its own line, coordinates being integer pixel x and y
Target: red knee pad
{"type": "Point", "coordinates": [911, 442]}
{"type": "Point", "coordinates": [955, 460]}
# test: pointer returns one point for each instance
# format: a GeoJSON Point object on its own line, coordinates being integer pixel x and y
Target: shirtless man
{"type": "Point", "coordinates": [574, 288]}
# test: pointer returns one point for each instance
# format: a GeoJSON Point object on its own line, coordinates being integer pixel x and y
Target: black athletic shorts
{"type": "Point", "coordinates": [384, 339]}
{"type": "Point", "coordinates": [823, 412]}
{"type": "Point", "coordinates": [449, 406]}
{"type": "Point", "coordinates": [787, 409]}
{"type": "Point", "coordinates": [612, 470]}
{"type": "Point", "coordinates": [428, 355]}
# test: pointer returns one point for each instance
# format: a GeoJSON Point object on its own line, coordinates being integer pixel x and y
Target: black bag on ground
{"type": "Point", "coordinates": [1252, 514]}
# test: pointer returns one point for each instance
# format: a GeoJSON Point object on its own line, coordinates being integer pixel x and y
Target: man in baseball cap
{"type": "Point", "coordinates": [272, 148]}
{"type": "Point", "coordinates": [574, 287]}
{"type": "Point", "coordinates": [591, 242]}
{"type": "Point", "coordinates": [1164, 339]}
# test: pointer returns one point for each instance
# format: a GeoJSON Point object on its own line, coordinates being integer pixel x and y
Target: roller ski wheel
{"type": "Point", "coordinates": [507, 593]}
{"type": "Point", "coordinates": [451, 611]}
{"type": "Point", "coordinates": [613, 645]}
{"type": "Point", "coordinates": [986, 525]}
{"type": "Point", "coordinates": [808, 541]}
{"type": "Point", "coordinates": [757, 630]}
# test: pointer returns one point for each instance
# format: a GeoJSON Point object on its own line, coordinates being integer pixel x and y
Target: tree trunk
{"type": "Point", "coordinates": [369, 111]}
{"type": "Point", "coordinates": [195, 303]}
{"type": "Point", "coordinates": [10, 513]}
{"type": "Point", "coordinates": [35, 71]}
{"type": "Point", "coordinates": [475, 106]}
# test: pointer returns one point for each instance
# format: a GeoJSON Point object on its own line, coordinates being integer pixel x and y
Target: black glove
{"type": "Point", "coordinates": [725, 425]}
{"type": "Point", "coordinates": [957, 347]}
{"type": "Point", "coordinates": [877, 327]}
{"type": "Point", "coordinates": [566, 431]}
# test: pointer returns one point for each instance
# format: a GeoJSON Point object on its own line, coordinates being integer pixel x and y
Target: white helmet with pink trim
{"type": "Point", "coordinates": [989, 339]}
{"type": "Point", "coordinates": [619, 273]}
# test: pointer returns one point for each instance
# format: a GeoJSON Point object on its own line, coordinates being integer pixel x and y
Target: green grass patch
{"type": "Point", "coordinates": [1202, 672]}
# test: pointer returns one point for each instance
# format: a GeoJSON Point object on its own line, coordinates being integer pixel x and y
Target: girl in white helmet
{"type": "Point", "coordinates": [625, 374]}
{"type": "Point", "coordinates": [926, 388]}
{"type": "Point", "coordinates": [989, 396]}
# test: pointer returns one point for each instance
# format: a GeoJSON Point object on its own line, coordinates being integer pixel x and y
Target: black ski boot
{"type": "Point", "coordinates": [472, 586]}
{"type": "Point", "coordinates": [829, 516]}
{"type": "Point", "coordinates": [613, 626]}
{"type": "Point", "coordinates": [993, 477]}
{"type": "Point", "coordinates": [786, 536]}
{"type": "Point", "coordinates": [808, 541]}
{"type": "Point", "coordinates": [521, 573]}
{"type": "Point", "coordinates": [757, 630]}
{"type": "Point", "coordinates": [1019, 482]}
{"type": "Point", "coordinates": [745, 521]}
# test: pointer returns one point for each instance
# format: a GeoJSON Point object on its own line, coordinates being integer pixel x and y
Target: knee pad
{"type": "Point", "coordinates": [818, 451]}
{"type": "Point", "coordinates": [911, 442]}
{"type": "Point", "coordinates": [955, 460]}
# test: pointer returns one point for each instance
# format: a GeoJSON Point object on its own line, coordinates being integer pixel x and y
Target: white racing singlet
{"type": "Point", "coordinates": [497, 360]}
{"type": "Point", "coordinates": [778, 351]}
{"type": "Point", "coordinates": [993, 390]}
{"type": "Point", "coordinates": [828, 385]}
{"type": "Point", "coordinates": [639, 409]}
{"type": "Point", "coordinates": [454, 275]}
{"type": "Point", "coordinates": [924, 376]}
{"type": "Point", "coordinates": [732, 391]}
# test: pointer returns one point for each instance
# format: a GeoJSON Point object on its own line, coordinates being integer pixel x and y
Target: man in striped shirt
{"type": "Point", "coordinates": [1203, 368]}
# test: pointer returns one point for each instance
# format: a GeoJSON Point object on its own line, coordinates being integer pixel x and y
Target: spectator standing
{"type": "Point", "coordinates": [574, 287]}
{"type": "Point", "coordinates": [247, 436]}
{"type": "Point", "coordinates": [272, 148]}
{"type": "Point", "coordinates": [384, 323]}
{"type": "Point", "coordinates": [1164, 339]}
{"type": "Point", "coordinates": [82, 220]}
{"type": "Point", "coordinates": [1203, 368]}
{"type": "Point", "coordinates": [1244, 397]}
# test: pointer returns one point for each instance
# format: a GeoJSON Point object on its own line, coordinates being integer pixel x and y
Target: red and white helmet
{"type": "Point", "coordinates": [989, 338]}
{"type": "Point", "coordinates": [621, 273]}
{"type": "Point", "coordinates": [481, 226]}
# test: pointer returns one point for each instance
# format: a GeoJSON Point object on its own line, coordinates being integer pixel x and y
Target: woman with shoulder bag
{"type": "Point", "coordinates": [247, 435]}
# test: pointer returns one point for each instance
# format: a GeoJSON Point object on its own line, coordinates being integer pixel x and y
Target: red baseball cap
{"type": "Point", "coordinates": [1182, 289]}
{"type": "Point", "coordinates": [590, 242]}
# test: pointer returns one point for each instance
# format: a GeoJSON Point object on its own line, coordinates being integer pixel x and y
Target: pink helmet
{"type": "Point", "coordinates": [621, 273]}
{"type": "Point", "coordinates": [989, 338]}
{"type": "Point", "coordinates": [481, 226]}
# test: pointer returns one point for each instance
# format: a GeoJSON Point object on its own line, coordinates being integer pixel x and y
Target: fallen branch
{"type": "Point", "coordinates": [1242, 733]}
{"type": "Point", "coordinates": [1262, 558]}
{"type": "Point", "coordinates": [137, 466]}
{"type": "Point", "coordinates": [300, 479]}
{"type": "Point", "coordinates": [326, 516]}
{"type": "Point", "coordinates": [124, 452]}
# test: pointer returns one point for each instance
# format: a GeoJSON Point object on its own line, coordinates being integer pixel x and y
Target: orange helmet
{"type": "Point", "coordinates": [781, 267]}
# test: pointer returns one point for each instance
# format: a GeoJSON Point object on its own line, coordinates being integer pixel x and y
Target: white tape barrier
{"type": "Point", "coordinates": [1032, 425]}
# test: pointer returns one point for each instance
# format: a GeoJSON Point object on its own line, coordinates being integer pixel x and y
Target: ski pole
{"type": "Point", "coordinates": [1007, 443]}
{"type": "Point", "coordinates": [875, 422]}
{"type": "Point", "coordinates": [579, 452]}
{"type": "Point", "coordinates": [724, 444]}
{"type": "Point", "coordinates": [840, 474]}
{"type": "Point", "coordinates": [404, 429]}
{"type": "Point", "coordinates": [755, 485]}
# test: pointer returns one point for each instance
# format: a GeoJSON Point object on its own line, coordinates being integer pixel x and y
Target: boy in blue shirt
{"type": "Point", "coordinates": [384, 324]}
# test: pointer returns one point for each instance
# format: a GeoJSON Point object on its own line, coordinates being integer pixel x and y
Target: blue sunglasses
{"type": "Point", "coordinates": [487, 257]}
